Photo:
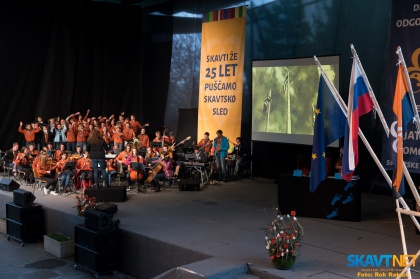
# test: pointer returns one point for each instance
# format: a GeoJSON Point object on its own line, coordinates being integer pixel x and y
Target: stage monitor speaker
{"type": "Point", "coordinates": [97, 220]}
{"type": "Point", "coordinates": [7, 184]}
{"type": "Point", "coordinates": [22, 197]}
{"type": "Point", "coordinates": [110, 208]}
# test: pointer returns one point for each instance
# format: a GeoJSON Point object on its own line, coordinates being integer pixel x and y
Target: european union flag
{"type": "Point", "coordinates": [329, 126]}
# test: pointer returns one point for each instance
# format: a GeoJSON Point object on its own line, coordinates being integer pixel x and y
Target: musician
{"type": "Point", "coordinates": [10, 156]}
{"type": "Point", "coordinates": [239, 152]}
{"type": "Point", "coordinates": [199, 155]}
{"type": "Point", "coordinates": [133, 157]}
{"type": "Point", "coordinates": [171, 139]}
{"type": "Point", "coordinates": [23, 163]}
{"type": "Point", "coordinates": [158, 138]}
{"type": "Point", "coordinates": [28, 133]}
{"type": "Point", "coordinates": [32, 151]}
{"type": "Point", "coordinates": [46, 171]}
{"type": "Point", "coordinates": [50, 150]}
{"type": "Point", "coordinates": [60, 151]}
{"type": "Point", "coordinates": [205, 144]}
{"type": "Point", "coordinates": [97, 148]}
{"type": "Point", "coordinates": [111, 169]}
{"type": "Point", "coordinates": [150, 153]}
{"type": "Point", "coordinates": [143, 138]}
{"type": "Point", "coordinates": [106, 135]}
{"type": "Point", "coordinates": [79, 152]}
{"type": "Point", "coordinates": [168, 171]}
{"type": "Point", "coordinates": [64, 173]}
{"type": "Point", "coordinates": [84, 168]}
{"type": "Point", "coordinates": [122, 156]}
{"type": "Point", "coordinates": [221, 147]}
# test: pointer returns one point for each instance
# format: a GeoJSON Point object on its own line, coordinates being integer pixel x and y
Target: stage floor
{"type": "Point", "coordinates": [228, 222]}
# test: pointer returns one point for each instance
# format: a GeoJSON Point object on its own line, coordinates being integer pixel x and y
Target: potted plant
{"type": "Point", "coordinates": [3, 225]}
{"type": "Point", "coordinates": [282, 240]}
{"type": "Point", "coordinates": [83, 202]}
{"type": "Point", "coordinates": [59, 245]}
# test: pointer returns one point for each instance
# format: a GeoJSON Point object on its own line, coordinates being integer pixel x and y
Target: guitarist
{"type": "Point", "coordinates": [205, 144]}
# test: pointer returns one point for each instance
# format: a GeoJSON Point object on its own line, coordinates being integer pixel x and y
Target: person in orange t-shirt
{"type": "Point", "coordinates": [28, 133]}
{"type": "Point", "coordinates": [143, 138]}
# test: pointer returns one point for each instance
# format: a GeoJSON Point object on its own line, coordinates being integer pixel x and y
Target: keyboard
{"type": "Point", "coordinates": [194, 164]}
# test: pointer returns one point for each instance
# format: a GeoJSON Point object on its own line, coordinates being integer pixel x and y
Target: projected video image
{"type": "Point", "coordinates": [284, 94]}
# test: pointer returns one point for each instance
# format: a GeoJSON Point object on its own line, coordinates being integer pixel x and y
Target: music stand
{"type": "Point", "coordinates": [137, 166]}
{"type": "Point", "coordinates": [69, 165]}
{"type": "Point", "coordinates": [156, 144]}
{"type": "Point", "coordinates": [150, 160]}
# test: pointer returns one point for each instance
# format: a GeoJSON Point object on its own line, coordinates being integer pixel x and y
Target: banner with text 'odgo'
{"type": "Point", "coordinates": [221, 73]}
{"type": "Point", "coordinates": [405, 27]}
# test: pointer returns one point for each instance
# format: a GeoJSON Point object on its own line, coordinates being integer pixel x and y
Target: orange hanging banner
{"type": "Point", "coordinates": [221, 72]}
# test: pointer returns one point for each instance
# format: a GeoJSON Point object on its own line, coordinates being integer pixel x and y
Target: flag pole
{"type": "Point", "coordinates": [383, 121]}
{"type": "Point", "coordinates": [369, 148]}
{"type": "Point", "coordinates": [410, 88]}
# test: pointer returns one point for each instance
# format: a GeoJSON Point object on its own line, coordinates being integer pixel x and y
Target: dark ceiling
{"type": "Point", "coordinates": [188, 6]}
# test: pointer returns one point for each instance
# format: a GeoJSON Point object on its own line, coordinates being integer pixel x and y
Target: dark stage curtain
{"type": "Point", "coordinates": [71, 56]}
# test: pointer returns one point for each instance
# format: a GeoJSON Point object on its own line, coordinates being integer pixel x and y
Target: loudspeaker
{"type": "Point", "coordinates": [96, 250]}
{"type": "Point", "coordinates": [8, 184]}
{"type": "Point", "coordinates": [25, 223]}
{"type": "Point", "coordinates": [111, 194]}
{"type": "Point", "coordinates": [189, 185]}
{"type": "Point", "coordinates": [23, 197]}
{"type": "Point", "coordinates": [97, 220]}
{"type": "Point", "coordinates": [110, 208]}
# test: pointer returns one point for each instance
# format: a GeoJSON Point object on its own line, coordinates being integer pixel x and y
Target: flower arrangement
{"type": "Point", "coordinates": [83, 202]}
{"type": "Point", "coordinates": [282, 240]}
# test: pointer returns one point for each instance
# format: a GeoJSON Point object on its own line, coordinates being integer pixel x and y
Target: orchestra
{"type": "Point", "coordinates": [58, 149]}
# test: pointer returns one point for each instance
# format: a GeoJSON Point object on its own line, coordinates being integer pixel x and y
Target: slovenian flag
{"type": "Point", "coordinates": [359, 104]}
{"type": "Point", "coordinates": [403, 113]}
{"type": "Point", "coordinates": [329, 127]}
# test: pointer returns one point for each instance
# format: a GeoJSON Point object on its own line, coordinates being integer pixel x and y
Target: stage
{"type": "Point", "coordinates": [219, 232]}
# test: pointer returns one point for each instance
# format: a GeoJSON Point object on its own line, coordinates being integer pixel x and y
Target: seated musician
{"type": "Point", "coordinates": [200, 156]}
{"type": "Point", "coordinates": [50, 150]}
{"type": "Point", "coordinates": [158, 138]}
{"type": "Point", "coordinates": [168, 171]}
{"type": "Point", "coordinates": [84, 168]}
{"type": "Point", "coordinates": [64, 173]}
{"type": "Point", "coordinates": [133, 157]}
{"type": "Point", "coordinates": [111, 169]}
{"type": "Point", "coordinates": [47, 173]}
{"type": "Point", "coordinates": [79, 153]}
{"type": "Point", "coordinates": [23, 163]}
{"type": "Point", "coordinates": [205, 144]}
{"type": "Point", "coordinates": [150, 153]}
{"type": "Point", "coordinates": [116, 149]}
{"type": "Point", "coordinates": [32, 151]}
{"type": "Point", "coordinates": [171, 139]}
{"type": "Point", "coordinates": [121, 158]}
{"type": "Point", "coordinates": [60, 151]}
{"type": "Point", "coordinates": [10, 156]}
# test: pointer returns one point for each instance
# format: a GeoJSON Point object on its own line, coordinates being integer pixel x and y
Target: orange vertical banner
{"type": "Point", "coordinates": [221, 72]}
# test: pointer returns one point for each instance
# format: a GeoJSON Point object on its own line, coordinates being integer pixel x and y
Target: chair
{"type": "Point", "coordinates": [38, 184]}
